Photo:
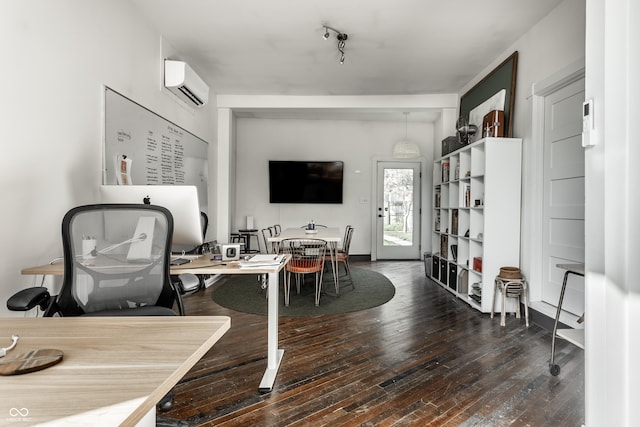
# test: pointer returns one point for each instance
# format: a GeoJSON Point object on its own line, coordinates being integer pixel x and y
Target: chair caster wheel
{"type": "Point", "coordinates": [166, 403]}
{"type": "Point", "coordinates": [554, 370]}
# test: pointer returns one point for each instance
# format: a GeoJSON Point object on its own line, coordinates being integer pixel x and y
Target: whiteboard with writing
{"type": "Point", "coordinates": [141, 147]}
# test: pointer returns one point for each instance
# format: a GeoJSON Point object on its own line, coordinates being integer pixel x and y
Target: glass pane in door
{"type": "Point", "coordinates": [398, 207]}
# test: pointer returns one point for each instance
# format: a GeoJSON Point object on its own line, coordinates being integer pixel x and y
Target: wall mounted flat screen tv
{"type": "Point", "coordinates": [305, 182]}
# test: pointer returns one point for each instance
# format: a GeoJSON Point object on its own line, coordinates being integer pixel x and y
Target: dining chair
{"type": "Point", "coordinates": [189, 283]}
{"type": "Point", "coordinates": [307, 256]}
{"type": "Point", "coordinates": [342, 253]}
{"type": "Point", "coordinates": [266, 233]}
{"type": "Point", "coordinates": [275, 232]}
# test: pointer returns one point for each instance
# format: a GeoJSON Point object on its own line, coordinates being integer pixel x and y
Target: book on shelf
{"type": "Point", "coordinates": [467, 195]}
{"type": "Point", "coordinates": [444, 247]}
{"type": "Point", "coordinates": [476, 292]}
{"type": "Point", "coordinates": [437, 224]}
{"type": "Point", "coordinates": [454, 222]}
{"type": "Point", "coordinates": [445, 171]}
{"type": "Point", "coordinates": [477, 264]}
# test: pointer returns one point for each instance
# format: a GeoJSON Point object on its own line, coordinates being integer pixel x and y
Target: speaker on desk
{"type": "Point", "coordinates": [230, 252]}
{"type": "Point", "coordinates": [250, 222]}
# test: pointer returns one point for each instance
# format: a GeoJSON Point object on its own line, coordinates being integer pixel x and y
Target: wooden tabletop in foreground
{"type": "Point", "coordinates": [114, 369]}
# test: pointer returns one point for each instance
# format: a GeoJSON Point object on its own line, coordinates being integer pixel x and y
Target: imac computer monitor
{"type": "Point", "coordinates": [180, 200]}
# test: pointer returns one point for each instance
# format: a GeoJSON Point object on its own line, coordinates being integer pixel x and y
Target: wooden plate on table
{"type": "Point", "coordinates": [31, 361]}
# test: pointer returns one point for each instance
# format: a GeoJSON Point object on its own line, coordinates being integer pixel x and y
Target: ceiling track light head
{"type": "Point", "coordinates": [327, 34]}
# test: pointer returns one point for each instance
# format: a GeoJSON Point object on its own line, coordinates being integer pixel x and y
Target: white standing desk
{"type": "Point", "coordinates": [113, 372]}
{"type": "Point", "coordinates": [204, 265]}
{"type": "Point", "coordinates": [331, 235]}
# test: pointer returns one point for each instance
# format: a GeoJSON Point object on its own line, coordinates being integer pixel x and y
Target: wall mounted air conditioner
{"type": "Point", "coordinates": [180, 79]}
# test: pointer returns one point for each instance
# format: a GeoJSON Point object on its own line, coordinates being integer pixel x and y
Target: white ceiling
{"type": "Point", "coordinates": [394, 47]}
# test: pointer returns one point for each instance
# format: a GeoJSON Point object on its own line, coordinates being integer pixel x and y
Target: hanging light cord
{"type": "Point", "coordinates": [406, 116]}
{"type": "Point", "coordinates": [341, 44]}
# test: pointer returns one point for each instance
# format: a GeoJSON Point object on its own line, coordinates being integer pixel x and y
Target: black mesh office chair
{"type": "Point", "coordinates": [116, 263]}
{"type": "Point", "coordinates": [266, 234]}
{"type": "Point", "coordinates": [189, 283]}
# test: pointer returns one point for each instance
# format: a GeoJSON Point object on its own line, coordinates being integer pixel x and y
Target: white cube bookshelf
{"type": "Point", "coordinates": [478, 207]}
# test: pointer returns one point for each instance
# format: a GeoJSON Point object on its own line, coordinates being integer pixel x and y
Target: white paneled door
{"type": "Point", "coordinates": [563, 217]}
{"type": "Point", "coordinates": [398, 210]}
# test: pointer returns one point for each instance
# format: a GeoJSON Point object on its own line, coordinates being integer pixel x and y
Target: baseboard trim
{"type": "Point", "coordinates": [542, 320]}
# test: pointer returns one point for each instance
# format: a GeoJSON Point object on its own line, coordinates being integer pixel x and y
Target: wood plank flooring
{"type": "Point", "coordinates": [423, 359]}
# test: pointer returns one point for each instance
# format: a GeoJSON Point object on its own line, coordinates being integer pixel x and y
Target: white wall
{"type": "Point", "coordinates": [553, 44]}
{"type": "Point", "coordinates": [356, 143]}
{"type": "Point", "coordinates": [612, 211]}
{"type": "Point", "coordinates": [57, 57]}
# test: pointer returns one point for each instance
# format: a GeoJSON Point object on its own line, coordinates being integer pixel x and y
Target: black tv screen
{"type": "Point", "coordinates": [305, 182]}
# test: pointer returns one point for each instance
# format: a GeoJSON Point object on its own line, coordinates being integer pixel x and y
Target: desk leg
{"type": "Point", "coordinates": [274, 355]}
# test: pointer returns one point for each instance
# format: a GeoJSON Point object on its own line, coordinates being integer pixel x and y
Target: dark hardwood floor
{"type": "Point", "coordinates": [423, 359]}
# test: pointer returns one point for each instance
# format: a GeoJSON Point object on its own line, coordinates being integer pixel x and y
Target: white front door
{"type": "Point", "coordinates": [563, 215]}
{"type": "Point", "coordinates": [398, 210]}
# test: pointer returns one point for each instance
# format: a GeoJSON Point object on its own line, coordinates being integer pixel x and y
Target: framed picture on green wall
{"type": "Point", "coordinates": [503, 77]}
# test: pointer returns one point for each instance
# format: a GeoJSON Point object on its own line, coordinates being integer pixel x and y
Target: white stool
{"type": "Point", "coordinates": [511, 288]}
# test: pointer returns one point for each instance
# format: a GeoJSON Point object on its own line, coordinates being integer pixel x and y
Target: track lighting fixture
{"type": "Point", "coordinates": [342, 38]}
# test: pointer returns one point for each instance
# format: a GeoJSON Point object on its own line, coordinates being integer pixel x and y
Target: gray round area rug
{"type": "Point", "coordinates": [243, 293]}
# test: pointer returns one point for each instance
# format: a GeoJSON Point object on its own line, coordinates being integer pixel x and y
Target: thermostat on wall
{"type": "Point", "coordinates": [588, 137]}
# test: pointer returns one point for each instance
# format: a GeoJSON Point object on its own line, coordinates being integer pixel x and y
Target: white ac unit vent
{"type": "Point", "coordinates": [180, 79]}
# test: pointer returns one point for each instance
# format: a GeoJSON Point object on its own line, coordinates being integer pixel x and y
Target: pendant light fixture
{"type": "Point", "coordinates": [406, 149]}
